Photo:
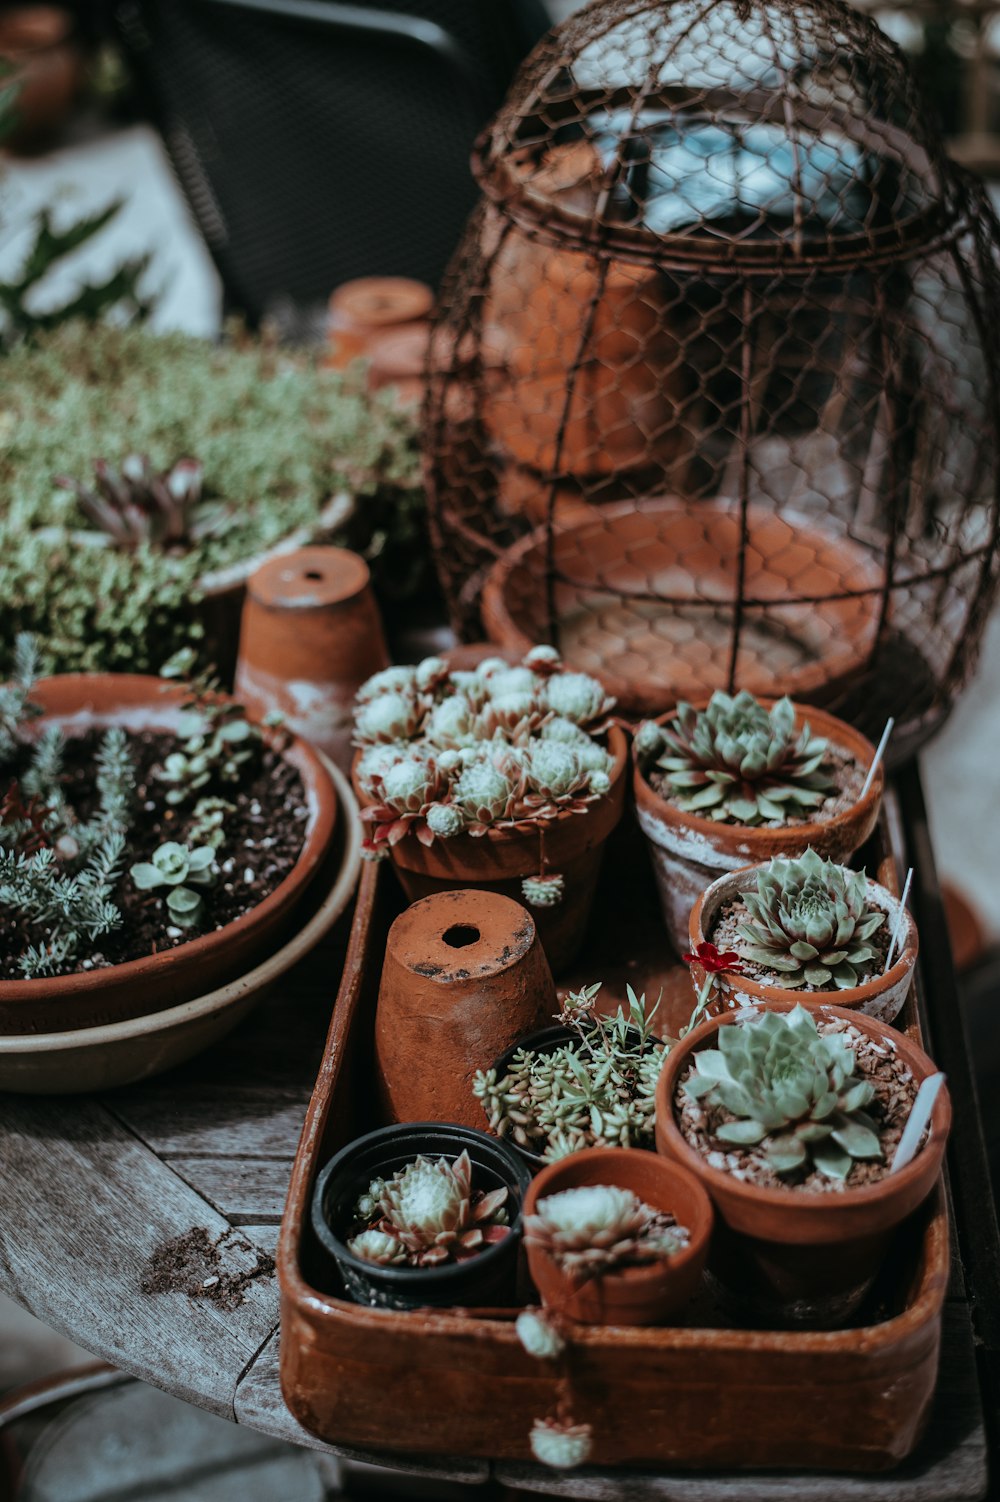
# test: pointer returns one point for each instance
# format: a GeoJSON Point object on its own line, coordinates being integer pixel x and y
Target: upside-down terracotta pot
{"type": "Point", "coordinates": [631, 1295]}
{"type": "Point", "coordinates": [79, 702]}
{"type": "Point", "coordinates": [803, 1257]}
{"type": "Point", "coordinates": [464, 976]}
{"type": "Point", "coordinates": [570, 845]}
{"type": "Point", "coordinates": [881, 997]}
{"type": "Point", "coordinates": [646, 598]}
{"type": "Point", "coordinates": [311, 635]}
{"type": "Point", "coordinates": [363, 309]}
{"type": "Point", "coordinates": [689, 851]}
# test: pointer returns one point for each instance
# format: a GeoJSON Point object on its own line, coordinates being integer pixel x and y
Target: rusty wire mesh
{"type": "Point", "coordinates": [713, 392]}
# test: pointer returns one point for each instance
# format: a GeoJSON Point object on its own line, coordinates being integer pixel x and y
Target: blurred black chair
{"type": "Point", "coordinates": [318, 141]}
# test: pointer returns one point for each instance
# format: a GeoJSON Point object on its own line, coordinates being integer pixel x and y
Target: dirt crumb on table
{"type": "Point", "coordinates": [219, 1270]}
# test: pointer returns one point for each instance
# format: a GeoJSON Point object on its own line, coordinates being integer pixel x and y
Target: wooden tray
{"type": "Point", "coordinates": [701, 1394]}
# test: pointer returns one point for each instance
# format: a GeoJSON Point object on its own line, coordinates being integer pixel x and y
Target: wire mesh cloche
{"type": "Point", "coordinates": [713, 392]}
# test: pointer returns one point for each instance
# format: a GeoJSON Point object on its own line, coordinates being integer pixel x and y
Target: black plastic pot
{"type": "Point", "coordinates": [545, 1040]}
{"type": "Point", "coordinates": [486, 1279]}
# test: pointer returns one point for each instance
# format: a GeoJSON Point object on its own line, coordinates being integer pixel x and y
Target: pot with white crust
{"type": "Point", "coordinates": [733, 780]}
{"type": "Point", "coordinates": [804, 930]}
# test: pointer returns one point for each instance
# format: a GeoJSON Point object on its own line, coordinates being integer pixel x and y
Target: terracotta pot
{"type": "Point", "coordinates": [48, 67]}
{"type": "Point", "coordinates": [804, 1258]}
{"type": "Point", "coordinates": [361, 309]}
{"type": "Point", "coordinates": [572, 845]}
{"type": "Point", "coordinates": [688, 851]}
{"type": "Point", "coordinates": [79, 702]}
{"type": "Point", "coordinates": [397, 357]}
{"type": "Point", "coordinates": [633, 1295]}
{"type": "Point", "coordinates": [881, 998]}
{"type": "Point", "coordinates": [486, 1279]}
{"type": "Point", "coordinates": [311, 636]}
{"type": "Point", "coordinates": [464, 976]}
{"type": "Point", "coordinates": [645, 598]}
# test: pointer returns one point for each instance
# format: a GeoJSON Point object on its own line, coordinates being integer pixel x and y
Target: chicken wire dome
{"type": "Point", "coordinates": [713, 388]}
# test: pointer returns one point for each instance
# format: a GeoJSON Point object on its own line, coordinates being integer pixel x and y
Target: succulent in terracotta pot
{"type": "Point", "coordinates": [128, 882]}
{"type": "Point", "coordinates": [737, 779]}
{"type": "Point", "coordinates": [423, 1213]}
{"type": "Point", "coordinates": [588, 1082]}
{"type": "Point", "coordinates": [791, 1118]}
{"type": "Point", "coordinates": [802, 929]}
{"type": "Point", "coordinates": [508, 777]}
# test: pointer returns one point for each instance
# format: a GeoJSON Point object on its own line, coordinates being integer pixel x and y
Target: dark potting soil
{"type": "Point", "coordinates": [264, 836]}
{"type": "Point", "coordinates": [220, 1270]}
{"type": "Point", "coordinates": [725, 936]}
{"type": "Point", "coordinates": [848, 778]}
{"type": "Point", "coordinates": [895, 1092]}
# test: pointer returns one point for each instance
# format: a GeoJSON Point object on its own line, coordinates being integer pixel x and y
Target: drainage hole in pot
{"type": "Point", "coordinates": [312, 573]}
{"type": "Point", "coordinates": [459, 935]}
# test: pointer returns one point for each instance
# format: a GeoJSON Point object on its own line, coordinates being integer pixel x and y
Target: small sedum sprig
{"type": "Point", "coordinates": [217, 739]}
{"type": "Point", "coordinates": [739, 762]}
{"type": "Point", "coordinates": [778, 1084]}
{"type": "Point", "coordinates": [179, 869]}
{"type": "Point", "coordinates": [595, 1091]}
{"type": "Point", "coordinates": [810, 923]}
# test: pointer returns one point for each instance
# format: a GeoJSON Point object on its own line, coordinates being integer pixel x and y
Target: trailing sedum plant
{"type": "Point", "coordinates": [596, 1228]}
{"type": "Point", "coordinates": [450, 753]}
{"type": "Point", "coordinates": [217, 739]}
{"type": "Point", "coordinates": [739, 762]}
{"type": "Point", "coordinates": [174, 866]}
{"type": "Point", "coordinates": [595, 1091]}
{"type": "Point", "coordinates": [810, 923]}
{"type": "Point", "coordinates": [426, 1214]}
{"type": "Point", "coordinates": [779, 1084]}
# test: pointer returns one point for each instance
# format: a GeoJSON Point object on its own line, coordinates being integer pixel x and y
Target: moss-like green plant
{"type": "Point", "coordinates": [275, 435]}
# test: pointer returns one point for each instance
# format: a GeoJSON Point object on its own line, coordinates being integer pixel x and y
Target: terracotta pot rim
{"type": "Point", "coordinates": [847, 1000]}
{"type": "Point", "coordinates": [617, 746]}
{"type": "Point", "coordinates": [620, 1160]}
{"type": "Point", "coordinates": [891, 1187]}
{"type": "Point", "coordinates": [830, 726]}
{"type": "Point", "coordinates": [408, 1278]}
{"type": "Point", "coordinates": [319, 793]}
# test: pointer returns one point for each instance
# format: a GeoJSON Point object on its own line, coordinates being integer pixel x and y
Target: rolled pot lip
{"type": "Point", "coordinates": [319, 831]}
{"type": "Point", "coordinates": [619, 1159]}
{"type": "Point", "coordinates": [830, 726]}
{"type": "Point", "coordinates": [410, 1278]}
{"type": "Point", "coordinates": [617, 746]}
{"type": "Point", "coordinates": [891, 1186]}
{"type": "Point", "coordinates": [848, 1000]}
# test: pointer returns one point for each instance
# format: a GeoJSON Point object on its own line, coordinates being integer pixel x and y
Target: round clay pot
{"type": "Point", "coordinates": [882, 997]}
{"type": "Point", "coordinates": [572, 844]}
{"type": "Point", "coordinates": [688, 851]}
{"type": "Point", "coordinates": [311, 635]}
{"type": "Point", "coordinates": [632, 1295]}
{"type": "Point", "coordinates": [803, 1257]}
{"type": "Point", "coordinates": [464, 975]}
{"type": "Point", "coordinates": [48, 69]}
{"type": "Point", "coordinates": [487, 1279]}
{"type": "Point", "coordinates": [646, 592]}
{"type": "Point", "coordinates": [365, 307]}
{"type": "Point", "coordinates": [397, 357]}
{"type": "Point", "coordinates": [82, 701]}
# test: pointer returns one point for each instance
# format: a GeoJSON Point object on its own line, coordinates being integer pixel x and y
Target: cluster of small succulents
{"type": "Point", "coordinates": [426, 1214]}
{"type": "Point", "coordinates": [134, 506]}
{"type": "Point", "coordinates": [737, 761]}
{"type": "Point", "coordinates": [778, 1084]}
{"type": "Point", "coordinates": [810, 923]}
{"type": "Point", "coordinates": [593, 1229]}
{"type": "Point", "coordinates": [445, 753]}
{"type": "Point", "coordinates": [217, 739]}
{"type": "Point", "coordinates": [597, 1090]}
{"type": "Point", "coordinates": [179, 869]}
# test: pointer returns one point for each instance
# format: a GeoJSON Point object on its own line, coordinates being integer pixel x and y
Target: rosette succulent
{"type": "Point", "coordinates": [777, 1083]}
{"type": "Point", "coordinates": [596, 1228]}
{"type": "Point", "coordinates": [430, 1211]}
{"type": "Point", "coordinates": [810, 923]}
{"type": "Point", "coordinates": [482, 793]}
{"type": "Point", "coordinates": [737, 761]}
{"type": "Point", "coordinates": [577, 697]}
{"type": "Point", "coordinates": [178, 868]}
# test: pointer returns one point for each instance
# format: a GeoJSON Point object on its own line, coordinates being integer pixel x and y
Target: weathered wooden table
{"type": "Point", "coordinates": [142, 1224]}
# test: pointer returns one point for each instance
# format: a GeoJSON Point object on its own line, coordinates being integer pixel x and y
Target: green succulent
{"type": "Point", "coordinates": [791, 1090]}
{"type": "Point", "coordinates": [810, 923]}
{"type": "Point", "coordinates": [737, 761]}
{"type": "Point", "coordinates": [428, 1213]}
{"type": "Point", "coordinates": [173, 865]}
{"type": "Point", "coordinates": [594, 1228]}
